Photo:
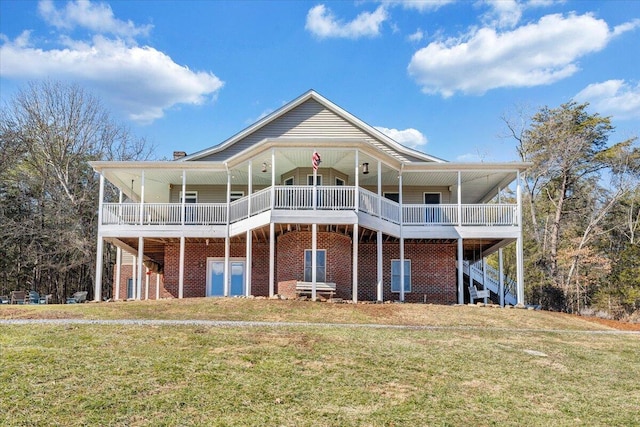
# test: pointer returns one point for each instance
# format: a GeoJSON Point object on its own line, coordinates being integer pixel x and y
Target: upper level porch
{"type": "Point", "coordinates": [287, 203]}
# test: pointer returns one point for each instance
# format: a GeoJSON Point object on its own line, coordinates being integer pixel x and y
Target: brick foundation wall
{"type": "Point", "coordinates": [290, 258]}
{"type": "Point", "coordinates": [433, 269]}
{"type": "Point", "coordinates": [433, 272]}
{"type": "Point", "coordinates": [195, 265]}
{"type": "Point", "coordinates": [126, 273]}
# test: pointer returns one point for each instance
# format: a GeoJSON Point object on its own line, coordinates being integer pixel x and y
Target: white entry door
{"type": "Point", "coordinates": [215, 277]}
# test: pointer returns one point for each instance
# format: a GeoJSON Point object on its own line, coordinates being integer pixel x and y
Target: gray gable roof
{"type": "Point", "coordinates": [310, 116]}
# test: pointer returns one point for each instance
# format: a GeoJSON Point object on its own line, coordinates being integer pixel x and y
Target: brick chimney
{"type": "Point", "coordinates": [178, 155]}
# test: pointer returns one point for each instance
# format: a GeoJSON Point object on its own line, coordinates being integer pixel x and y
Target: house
{"type": "Point", "coordinates": [310, 200]}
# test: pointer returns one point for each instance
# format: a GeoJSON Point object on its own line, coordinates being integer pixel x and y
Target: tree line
{"type": "Point", "coordinates": [581, 199]}
{"type": "Point", "coordinates": [49, 131]}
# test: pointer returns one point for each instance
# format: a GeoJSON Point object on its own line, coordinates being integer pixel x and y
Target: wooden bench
{"type": "Point", "coordinates": [321, 288]}
{"type": "Point", "coordinates": [475, 294]}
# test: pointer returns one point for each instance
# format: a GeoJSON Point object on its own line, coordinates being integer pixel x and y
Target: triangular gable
{"type": "Point", "coordinates": [309, 116]}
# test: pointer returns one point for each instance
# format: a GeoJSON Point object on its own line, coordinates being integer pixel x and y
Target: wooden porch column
{"type": "Point", "coordinates": [249, 261]}
{"type": "Point", "coordinates": [355, 263]}
{"type": "Point", "coordinates": [484, 275]}
{"type": "Point", "coordinates": [227, 241]}
{"type": "Point", "coordinates": [134, 277]}
{"type": "Point", "coordinates": [314, 250]}
{"type": "Point", "coordinates": [380, 296]}
{"type": "Point", "coordinates": [142, 197]}
{"type": "Point", "coordinates": [157, 286]}
{"type": "Point", "coordinates": [459, 198]}
{"type": "Point", "coordinates": [356, 196]}
{"type": "Point", "coordinates": [140, 265]}
{"type": "Point", "coordinates": [100, 246]}
{"type": "Point", "coordinates": [401, 238]}
{"type": "Point", "coordinates": [181, 267]}
{"type": "Point", "coordinates": [461, 271]}
{"type": "Point", "coordinates": [501, 277]}
{"type": "Point", "coordinates": [184, 192]}
{"type": "Point", "coordinates": [519, 246]}
{"type": "Point", "coordinates": [272, 257]}
{"type": "Point", "coordinates": [116, 291]}
{"type": "Point", "coordinates": [146, 283]}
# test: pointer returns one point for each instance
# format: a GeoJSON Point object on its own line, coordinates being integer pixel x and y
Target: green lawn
{"type": "Point", "coordinates": [298, 376]}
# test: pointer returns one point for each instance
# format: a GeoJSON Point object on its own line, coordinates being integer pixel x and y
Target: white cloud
{"type": "Point", "coordinates": [419, 5]}
{"type": "Point", "coordinates": [140, 80]}
{"type": "Point", "coordinates": [535, 54]}
{"type": "Point", "coordinates": [408, 137]}
{"type": "Point", "coordinates": [322, 23]}
{"type": "Point", "coordinates": [417, 36]}
{"type": "Point", "coordinates": [615, 98]}
{"type": "Point", "coordinates": [503, 13]}
{"type": "Point", "coordinates": [97, 17]}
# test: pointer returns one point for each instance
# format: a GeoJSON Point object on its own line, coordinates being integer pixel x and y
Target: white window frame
{"type": "Point", "coordinates": [310, 179]}
{"type": "Point", "coordinates": [189, 195]}
{"type": "Point", "coordinates": [343, 182]}
{"type": "Point", "coordinates": [304, 262]}
{"type": "Point", "coordinates": [407, 275]}
{"type": "Point", "coordinates": [293, 181]}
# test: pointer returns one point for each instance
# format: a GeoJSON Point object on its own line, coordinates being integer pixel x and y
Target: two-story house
{"type": "Point", "coordinates": [310, 200]}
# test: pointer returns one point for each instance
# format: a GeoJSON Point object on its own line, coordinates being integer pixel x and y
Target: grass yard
{"type": "Point", "coordinates": [485, 366]}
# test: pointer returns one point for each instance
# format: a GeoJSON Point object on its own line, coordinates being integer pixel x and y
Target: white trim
{"type": "Point", "coordinates": [342, 180]}
{"type": "Point", "coordinates": [292, 178]}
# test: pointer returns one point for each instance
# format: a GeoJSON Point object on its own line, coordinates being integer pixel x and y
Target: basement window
{"type": "Point", "coordinates": [395, 275]}
{"type": "Point", "coordinates": [321, 265]}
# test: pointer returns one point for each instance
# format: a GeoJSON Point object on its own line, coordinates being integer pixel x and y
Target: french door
{"type": "Point", "coordinates": [215, 277]}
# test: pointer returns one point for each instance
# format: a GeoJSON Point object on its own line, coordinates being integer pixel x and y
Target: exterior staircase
{"type": "Point", "coordinates": [474, 273]}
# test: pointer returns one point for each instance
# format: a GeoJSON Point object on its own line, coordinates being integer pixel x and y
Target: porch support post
{"type": "Point", "coordinates": [116, 291]}
{"type": "Point", "coordinates": [484, 276]}
{"type": "Point", "coordinates": [227, 242]}
{"type": "Point", "coordinates": [519, 246]}
{"type": "Point", "coordinates": [134, 277]}
{"type": "Point", "coordinates": [380, 297]}
{"type": "Point", "coordinates": [181, 266]}
{"type": "Point", "coordinates": [142, 197]}
{"type": "Point", "coordinates": [247, 288]}
{"type": "Point", "coordinates": [501, 277]}
{"type": "Point", "coordinates": [314, 250]}
{"type": "Point", "coordinates": [272, 257]}
{"type": "Point", "coordinates": [249, 189]}
{"type": "Point", "coordinates": [249, 262]}
{"type": "Point", "coordinates": [140, 266]}
{"type": "Point", "coordinates": [146, 283]}
{"type": "Point", "coordinates": [273, 178]}
{"type": "Point", "coordinates": [184, 192]}
{"type": "Point", "coordinates": [459, 198]}
{"type": "Point", "coordinates": [379, 190]}
{"type": "Point", "coordinates": [356, 197]}
{"type": "Point", "coordinates": [401, 239]}
{"type": "Point", "coordinates": [100, 246]}
{"type": "Point", "coordinates": [461, 272]}
{"type": "Point", "coordinates": [355, 263]}
{"type": "Point", "coordinates": [157, 286]}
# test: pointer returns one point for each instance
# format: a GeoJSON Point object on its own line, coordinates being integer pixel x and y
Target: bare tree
{"type": "Point", "coordinates": [48, 193]}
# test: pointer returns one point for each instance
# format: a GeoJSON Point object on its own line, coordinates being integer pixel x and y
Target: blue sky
{"type": "Point", "coordinates": [435, 75]}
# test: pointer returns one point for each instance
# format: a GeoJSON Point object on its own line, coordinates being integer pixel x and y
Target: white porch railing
{"type": "Point", "coordinates": [301, 197]}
